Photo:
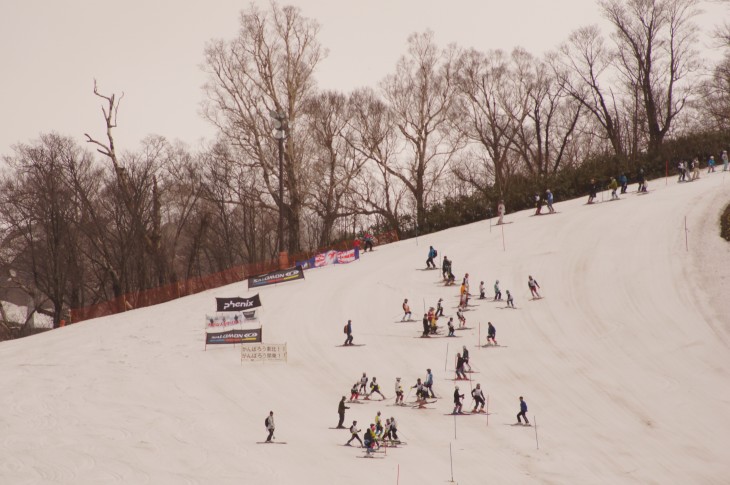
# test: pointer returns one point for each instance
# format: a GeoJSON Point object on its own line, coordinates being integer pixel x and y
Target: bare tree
{"type": "Point", "coordinates": [483, 82]}
{"type": "Point", "coordinates": [421, 96]}
{"type": "Point", "coordinates": [655, 42]}
{"type": "Point", "coordinates": [336, 164]}
{"type": "Point", "coordinates": [269, 66]}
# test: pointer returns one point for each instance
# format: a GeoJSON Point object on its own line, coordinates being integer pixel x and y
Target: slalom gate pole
{"type": "Point", "coordinates": [452, 471]}
{"type": "Point", "coordinates": [451, 460]}
{"type": "Point", "coordinates": [503, 246]}
{"type": "Point", "coordinates": [446, 362]}
{"type": "Point", "coordinates": [686, 238]}
{"type": "Point", "coordinates": [397, 477]}
{"type": "Point", "coordinates": [479, 337]}
{"type": "Point", "coordinates": [666, 175]}
{"type": "Point", "coordinates": [536, 443]}
{"type": "Point", "coordinates": [487, 409]}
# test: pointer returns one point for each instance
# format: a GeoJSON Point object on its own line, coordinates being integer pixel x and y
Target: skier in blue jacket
{"type": "Point", "coordinates": [431, 254]}
{"type": "Point", "coordinates": [523, 412]}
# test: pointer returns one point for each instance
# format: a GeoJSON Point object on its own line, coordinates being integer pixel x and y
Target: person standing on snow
{"type": "Point", "coordinates": [500, 211]}
{"type": "Point", "coordinates": [269, 422]}
{"type": "Point", "coordinates": [457, 401]}
{"type": "Point", "coordinates": [439, 308]}
{"type": "Point", "coordinates": [623, 180]}
{"type": "Point", "coordinates": [429, 384]}
{"type": "Point", "coordinates": [481, 290]}
{"type": "Point", "coordinates": [460, 374]}
{"type": "Point", "coordinates": [348, 331]}
{"type": "Point", "coordinates": [363, 384]}
{"type": "Point", "coordinates": [432, 253]}
{"type": "Point", "coordinates": [538, 204]}
{"type": "Point", "coordinates": [549, 199]}
{"type": "Point", "coordinates": [445, 268]}
{"type": "Point", "coordinates": [592, 191]}
{"type": "Point", "coordinates": [465, 355]}
{"type": "Point", "coordinates": [613, 185]}
{"type": "Point", "coordinates": [532, 284]}
{"type": "Point", "coordinates": [510, 301]}
{"type": "Point", "coordinates": [724, 161]}
{"type": "Point", "coordinates": [354, 431]}
{"type": "Point", "coordinates": [497, 292]}
{"type": "Point", "coordinates": [491, 334]}
{"type": "Point", "coordinates": [398, 391]}
{"type": "Point", "coordinates": [523, 412]}
{"type": "Point", "coordinates": [711, 164]}
{"type": "Point", "coordinates": [393, 429]}
{"type": "Point", "coordinates": [478, 396]}
{"type": "Point", "coordinates": [353, 392]}
{"type": "Point", "coordinates": [406, 311]}
{"type": "Point", "coordinates": [341, 411]}
{"type": "Point", "coordinates": [426, 325]}
{"type": "Point", "coordinates": [371, 439]}
{"type": "Point", "coordinates": [374, 388]}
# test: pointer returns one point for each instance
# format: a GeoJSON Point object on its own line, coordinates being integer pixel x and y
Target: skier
{"type": "Point", "coordinates": [429, 383]}
{"type": "Point", "coordinates": [439, 308]}
{"type": "Point", "coordinates": [624, 182]}
{"type": "Point", "coordinates": [393, 429]}
{"type": "Point", "coordinates": [532, 284]}
{"type": "Point", "coordinates": [592, 189]}
{"type": "Point", "coordinates": [425, 325]}
{"type": "Point", "coordinates": [406, 311]}
{"type": "Point", "coordinates": [368, 242]}
{"type": "Point", "coordinates": [523, 412]}
{"type": "Point", "coordinates": [613, 185]}
{"type": "Point", "coordinates": [711, 164]}
{"type": "Point", "coordinates": [461, 317]}
{"type": "Point", "coordinates": [398, 391]}
{"type": "Point", "coordinates": [433, 320]}
{"type": "Point", "coordinates": [538, 204]}
{"type": "Point", "coordinates": [460, 374]}
{"type": "Point", "coordinates": [642, 181]}
{"type": "Point", "coordinates": [432, 253]}
{"type": "Point", "coordinates": [269, 422]}
{"type": "Point", "coordinates": [510, 301]}
{"type": "Point", "coordinates": [348, 331]}
{"type": "Point", "coordinates": [371, 439]}
{"type": "Point", "coordinates": [465, 356]}
{"type": "Point", "coordinates": [682, 167]}
{"type": "Point", "coordinates": [374, 388]}
{"type": "Point", "coordinates": [451, 327]}
{"type": "Point", "coordinates": [481, 290]}
{"type": "Point", "coordinates": [695, 169]}
{"type": "Point", "coordinates": [341, 411]}
{"type": "Point", "coordinates": [457, 401]}
{"type": "Point", "coordinates": [724, 161]}
{"type": "Point", "coordinates": [354, 431]}
{"type": "Point", "coordinates": [386, 431]}
{"type": "Point", "coordinates": [491, 334]}
{"type": "Point", "coordinates": [378, 425]}
{"type": "Point", "coordinates": [497, 292]}
{"type": "Point", "coordinates": [500, 211]}
{"type": "Point", "coordinates": [363, 384]}
{"type": "Point", "coordinates": [354, 395]}
{"type": "Point", "coordinates": [549, 199]}
{"type": "Point", "coordinates": [421, 392]}
{"type": "Point", "coordinates": [446, 268]}
{"type": "Point", "coordinates": [478, 396]}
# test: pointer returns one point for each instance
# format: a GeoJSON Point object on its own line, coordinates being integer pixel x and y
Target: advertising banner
{"type": "Point", "coordinates": [306, 264]}
{"type": "Point", "coordinates": [264, 352]}
{"type": "Point", "coordinates": [237, 304]}
{"type": "Point", "coordinates": [347, 256]}
{"type": "Point", "coordinates": [324, 259]}
{"type": "Point", "coordinates": [221, 321]}
{"type": "Point", "coordinates": [279, 276]}
{"type": "Point", "coordinates": [234, 337]}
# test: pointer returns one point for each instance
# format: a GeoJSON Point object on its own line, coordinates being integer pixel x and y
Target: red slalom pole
{"type": "Point", "coordinates": [503, 246]}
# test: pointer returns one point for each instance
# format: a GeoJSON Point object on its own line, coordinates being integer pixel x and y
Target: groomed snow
{"type": "Point", "coordinates": [624, 365]}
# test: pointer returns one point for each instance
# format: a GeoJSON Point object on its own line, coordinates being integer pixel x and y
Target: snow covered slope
{"type": "Point", "coordinates": [624, 365]}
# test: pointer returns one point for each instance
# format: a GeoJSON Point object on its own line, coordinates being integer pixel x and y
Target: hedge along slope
{"type": "Point", "coordinates": [725, 223]}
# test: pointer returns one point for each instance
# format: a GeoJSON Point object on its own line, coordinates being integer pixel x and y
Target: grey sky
{"type": "Point", "coordinates": [51, 52]}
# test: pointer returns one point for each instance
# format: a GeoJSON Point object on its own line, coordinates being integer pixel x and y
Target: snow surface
{"type": "Point", "coordinates": [624, 365]}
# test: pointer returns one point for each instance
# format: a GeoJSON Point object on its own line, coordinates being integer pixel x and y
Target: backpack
{"type": "Point", "coordinates": [266, 423]}
{"type": "Point", "coordinates": [345, 329]}
{"type": "Point", "coordinates": [435, 253]}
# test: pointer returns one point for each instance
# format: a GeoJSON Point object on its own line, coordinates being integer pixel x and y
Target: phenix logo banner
{"type": "Point", "coordinates": [279, 276]}
{"type": "Point", "coordinates": [237, 304]}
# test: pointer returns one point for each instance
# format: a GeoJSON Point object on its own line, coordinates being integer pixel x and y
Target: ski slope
{"type": "Point", "coordinates": [624, 365]}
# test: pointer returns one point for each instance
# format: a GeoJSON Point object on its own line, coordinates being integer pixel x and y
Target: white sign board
{"type": "Point", "coordinates": [263, 352]}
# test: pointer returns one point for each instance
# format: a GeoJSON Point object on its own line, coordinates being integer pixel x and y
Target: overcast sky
{"type": "Point", "coordinates": [52, 51]}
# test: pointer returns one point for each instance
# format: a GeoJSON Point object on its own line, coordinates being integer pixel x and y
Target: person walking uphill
{"type": "Point", "coordinates": [523, 412]}
{"type": "Point", "coordinates": [341, 411]}
{"type": "Point", "coordinates": [432, 253]}
{"type": "Point", "coordinates": [269, 422]}
{"type": "Point", "coordinates": [549, 199]}
{"type": "Point", "coordinates": [500, 211]}
{"type": "Point", "coordinates": [354, 431]}
{"type": "Point", "coordinates": [348, 331]}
